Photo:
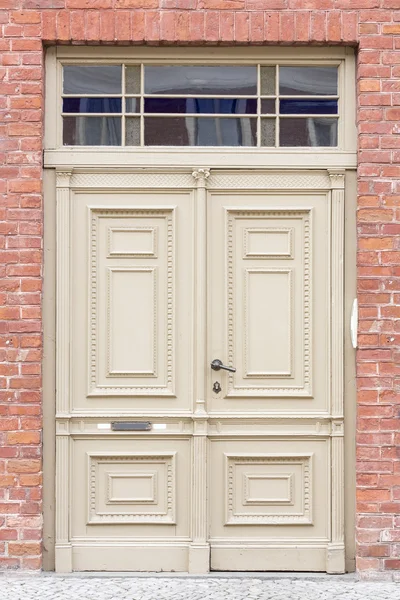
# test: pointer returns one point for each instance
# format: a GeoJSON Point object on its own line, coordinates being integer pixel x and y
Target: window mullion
{"type": "Point", "coordinates": [123, 124]}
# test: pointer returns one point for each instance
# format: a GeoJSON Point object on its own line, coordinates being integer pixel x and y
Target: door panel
{"type": "Point", "coordinates": [269, 287]}
{"type": "Point", "coordinates": [269, 494]}
{"type": "Point", "coordinates": [131, 363]}
{"type": "Point", "coordinates": [131, 488]}
{"type": "Point", "coordinates": [270, 319]}
{"type": "Point", "coordinates": [130, 252]}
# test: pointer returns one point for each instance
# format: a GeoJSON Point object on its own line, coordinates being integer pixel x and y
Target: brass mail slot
{"type": "Point", "coordinates": [131, 426]}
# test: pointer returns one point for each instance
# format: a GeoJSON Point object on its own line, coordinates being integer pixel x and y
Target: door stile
{"type": "Point", "coordinates": [199, 552]}
{"type": "Point", "coordinates": [336, 549]}
{"type": "Point", "coordinates": [63, 548]}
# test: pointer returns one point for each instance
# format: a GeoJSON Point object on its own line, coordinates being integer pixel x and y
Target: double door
{"type": "Point", "coordinates": [166, 460]}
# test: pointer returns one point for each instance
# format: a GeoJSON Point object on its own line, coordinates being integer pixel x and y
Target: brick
{"type": "Point", "coordinates": [92, 25]}
{"type": "Point", "coordinates": [257, 27]}
{"type": "Point", "coordinates": [25, 16]}
{"type": "Point", "coordinates": [391, 29]}
{"type": "Point", "coordinates": [107, 26]}
{"type": "Point", "coordinates": [302, 25]}
{"type": "Point", "coordinates": [123, 26]}
{"type": "Point", "coordinates": [221, 5]}
{"type": "Point", "coordinates": [211, 26]}
{"type": "Point", "coordinates": [152, 26]}
{"type": "Point", "coordinates": [20, 549]}
{"type": "Point", "coordinates": [23, 437]}
{"type": "Point", "coordinates": [182, 26]}
{"type": "Point", "coordinates": [23, 466]}
{"type": "Point", "coordinates": [287, 26]}
{"type": "Point", "coordinates": [334, 26]}
{"type": "Point", "coordinates": [227, 26]}
{"type": "Point", "coordinates": [167, 26]}
{"type": "Point", "coordinates": [89, 4]}
{"type": "Point", "coordinates": [63, 25]}
{"type": "Point", "coordinates": [138, 25]}
{"type": "Point", "coordinates": [77, 24]}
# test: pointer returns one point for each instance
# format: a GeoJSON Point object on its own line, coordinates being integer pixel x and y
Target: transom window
{"type": "Point", "coordinates": [200, 105]}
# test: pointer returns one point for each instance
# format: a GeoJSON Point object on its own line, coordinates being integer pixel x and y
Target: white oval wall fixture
{"type": "Point", "coordinates": [354, 323]}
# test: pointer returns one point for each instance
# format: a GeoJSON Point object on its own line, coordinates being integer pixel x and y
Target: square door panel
{"type": "Point", "coordinates": [266, 489]}
{"type": "Point", "coordinates": [131, 487]}
{"type": "Point", "coordinates": [270, 489]}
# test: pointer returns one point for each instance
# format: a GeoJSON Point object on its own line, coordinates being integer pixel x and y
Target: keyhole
{"type": "Point", "coordinates": [216, 387]}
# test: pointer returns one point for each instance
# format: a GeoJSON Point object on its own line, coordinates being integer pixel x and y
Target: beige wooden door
{"type": "Point", "coordinates": [270, 318]}
{"type": "Point", "coordinates": [162, 462]}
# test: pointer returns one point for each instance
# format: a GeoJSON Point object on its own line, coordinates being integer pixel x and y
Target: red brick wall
{"type": "Point", "coordinates": [373, 25]}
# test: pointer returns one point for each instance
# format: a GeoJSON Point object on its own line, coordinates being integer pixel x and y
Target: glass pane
{"type": "Point", "coordinates": [195, 80]}
{"type": "Point", "coordinates": [132, 132]}
{"type": "Point", "coordinates": [267, 132]}
{"type": "Point", "coordinates": [308, 81]}
{"type": "Point", "coordinates": [92, 131]}
{"type": "Point", "coordinates": [308, 107]}
{"type": "Point", "coordinates": [308, 132]}
{"type": "Point", "coordinates": [92, 105]}
{"type": "Point", "coordinates": [268, 80]}
{"type": "Point", "coordinates": [132, 105]}
{"type": "Point", "coordinates": [93, 79]}
{"type": "Point", "coordinates": [132, 80]}
{"type": "Point", "coordinates": [268, 107]}
{"type": "Point", "coordinates": [193, 131]}
{"type": "Point", "coordinates": [201, 105]}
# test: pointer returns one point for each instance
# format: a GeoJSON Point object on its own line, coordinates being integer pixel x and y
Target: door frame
{"type": "Point", "coordinates": [90, 160]}
{"type": "Point", "coordinates": [49, 356]}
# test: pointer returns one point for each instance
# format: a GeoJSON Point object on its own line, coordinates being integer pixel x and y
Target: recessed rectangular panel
{"type": "Point", "coordinates": [132, 241]}
{"type": "Point", "coordinates": [269, 289]}
{"type": "Point", "coordinates": [132, 321]}
{"type": "Point", "coordinates": [131, 302]}
{"type": "Point", "coordinates": [132, 488]}
{"type": "Point", "coordinates": [268, 322]}
{"type": "Point", "coordinates": [267, 242]}
{"type": "Point", "coordinates": [262, 489]}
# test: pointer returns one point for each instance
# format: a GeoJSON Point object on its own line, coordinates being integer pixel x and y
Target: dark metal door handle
{"type": "Point", "coordinates": [217, 365]}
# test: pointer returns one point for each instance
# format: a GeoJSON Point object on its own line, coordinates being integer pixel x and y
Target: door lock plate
{"type": "Point", "coordinates": [217, 387]}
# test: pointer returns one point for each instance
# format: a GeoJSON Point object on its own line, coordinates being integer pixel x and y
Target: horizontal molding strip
{"type": "Point", "coordinates": [101, 157]}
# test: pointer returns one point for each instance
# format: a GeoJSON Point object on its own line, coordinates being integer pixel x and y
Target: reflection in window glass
{"type": "Point", "coordinates": [308, 81]}
{"type": "Point", "coordinates": [267, 132]}
{"type": "Point", "coordinates": [267, 107]}
{"type": "Point", "coordinates": [193, 131]}
{"type": "Point", "coordinates": [198, 80]}
{"type": "Point", "coordinates": [268, 81]}
{"type": "Point", "coordinates": [316, 131]}
{"type": "Point", "coordinates": [132, 132]}
{"type": "Point", "coordinates": [92, 105]}
{"type": "Point", "coordinates": [92, 131]}
{"type": "Point", "coordinates": [308, 107]}
{"type": "Point", "coordinates": [132, 105]}
{"type": "Point", "coordinates": [200, 106]}
{"type": "Point", "coordinates": [93, 79]}
{"type": "Point", "coordinates": [132, 80]}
